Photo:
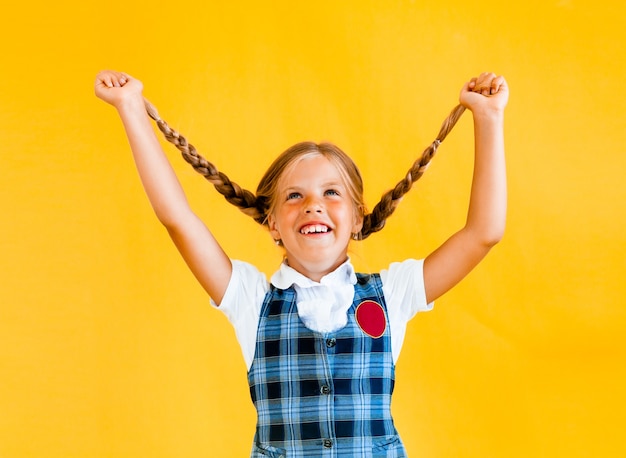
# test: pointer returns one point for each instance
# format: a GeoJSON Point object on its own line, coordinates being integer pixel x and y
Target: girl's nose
{"type": "Point", "coordinates": [313, 206]}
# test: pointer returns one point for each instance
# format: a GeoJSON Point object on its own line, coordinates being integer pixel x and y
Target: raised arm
{"type": "Point", "coordinates": [200, 250]}
{"type": "Point", "coordinates": [486, 96]}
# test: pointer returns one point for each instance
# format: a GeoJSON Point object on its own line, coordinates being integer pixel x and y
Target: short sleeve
{"type": "Point", "coordinates": [242, 303]}
{"type": "Point", "coordinates": [405, 295]}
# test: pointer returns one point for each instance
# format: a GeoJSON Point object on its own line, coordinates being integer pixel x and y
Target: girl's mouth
{"type": "Point", "coordinates": [314, 229]}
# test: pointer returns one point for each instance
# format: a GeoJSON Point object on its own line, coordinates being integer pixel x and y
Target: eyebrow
{"type": "Point", "coordinates": [324, 185]}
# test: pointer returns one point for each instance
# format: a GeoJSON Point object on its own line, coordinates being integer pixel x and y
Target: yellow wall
{"type": "Point", "coordinates": [108, 347]}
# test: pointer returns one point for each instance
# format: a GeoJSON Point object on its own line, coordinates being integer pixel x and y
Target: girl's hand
{"type": "Point", "coordinates": [486, 92]}
{"type": "Point", "coordinates": [117, 87]}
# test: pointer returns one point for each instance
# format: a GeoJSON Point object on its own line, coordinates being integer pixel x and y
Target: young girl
{"type": "Point", "coordinates": [320, 341]}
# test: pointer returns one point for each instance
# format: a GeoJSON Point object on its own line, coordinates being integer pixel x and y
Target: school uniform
{"type": "Point", "coordinates": [321, 356]}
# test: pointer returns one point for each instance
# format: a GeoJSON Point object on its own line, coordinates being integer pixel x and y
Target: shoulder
{"type": "Point", "coordinates": [246, 270]}
{"type": "Point", "coordinates": [409, 270]}
{"type": "Point", "coordinates": [247, 288]}
{"type": "Point", "coordinates": [247, 277]}
{"type": "Point", "coordinates": [403, 287]}
{"type": "Point", "coordinates": [399, 275]}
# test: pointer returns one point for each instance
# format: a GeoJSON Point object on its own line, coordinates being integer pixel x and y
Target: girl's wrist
{"type": "Point", "coordinates": [130, 104]}
{"type": "Point", "coordinates": [488, 115]}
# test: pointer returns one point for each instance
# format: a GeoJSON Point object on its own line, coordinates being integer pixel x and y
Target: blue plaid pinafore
{"type": "Point", "coordinates": [324, 395]}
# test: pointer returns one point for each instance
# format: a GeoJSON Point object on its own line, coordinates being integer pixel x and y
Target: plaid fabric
{"type": "Point", "coordinates": [322, 395]}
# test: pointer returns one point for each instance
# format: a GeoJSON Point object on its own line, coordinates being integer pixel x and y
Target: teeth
{"type": "Point", "coordinates": [314, 229]}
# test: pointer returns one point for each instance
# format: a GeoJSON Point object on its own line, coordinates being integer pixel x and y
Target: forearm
{"type": "Point", "coordinates": [157, 175]}
{"type": "Point", "coordinates": [486, 217]}
{"type": "Point", "coordinates": [486, 96]}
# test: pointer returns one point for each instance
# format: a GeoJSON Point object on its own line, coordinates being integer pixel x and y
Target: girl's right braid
{"type": "Point", "coordinates": [245, 200]}
{"type": "Point", "coordinates": [375, 221]}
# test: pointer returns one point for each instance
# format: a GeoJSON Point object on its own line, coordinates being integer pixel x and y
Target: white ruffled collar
{"type": "Point", "coordinates": [286, 276]}
{"type": "Point", "coordinates": [322, 306]}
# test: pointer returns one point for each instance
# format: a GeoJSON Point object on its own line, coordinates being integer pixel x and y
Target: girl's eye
{"type": "Point", "coordinates": [331, 192]}
{"type": "Point", "coordinates": [293, 195]}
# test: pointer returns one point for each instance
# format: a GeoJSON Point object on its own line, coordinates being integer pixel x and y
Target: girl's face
{"type": "Point", "coordinates": [314, 217]}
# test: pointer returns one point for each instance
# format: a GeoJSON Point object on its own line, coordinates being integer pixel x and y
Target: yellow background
{"type": "Point", "coordinates": [108, 347]}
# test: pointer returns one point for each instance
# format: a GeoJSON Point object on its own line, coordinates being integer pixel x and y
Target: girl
{"type": "Point", "coordinates": [320, 341]}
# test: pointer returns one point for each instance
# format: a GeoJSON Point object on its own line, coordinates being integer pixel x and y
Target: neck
{"type": "Point", "coordinates": [315, 271]}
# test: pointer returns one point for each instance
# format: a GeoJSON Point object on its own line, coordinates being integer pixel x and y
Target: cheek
{"type": "Point", "coordinates": [348, 214]}
{"type": "Point", "coordinates": [280, 218]}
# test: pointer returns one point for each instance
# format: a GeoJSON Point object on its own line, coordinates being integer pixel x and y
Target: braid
{"type": "Point", "coordinates": [245, 200]}
{"type": "Point", "coordinates": [375, 221]}
{"type": "Point", "coordinates": [257, 207]}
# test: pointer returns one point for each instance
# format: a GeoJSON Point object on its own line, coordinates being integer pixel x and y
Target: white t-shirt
{"type": "Point", "coordinates": [322, 306]}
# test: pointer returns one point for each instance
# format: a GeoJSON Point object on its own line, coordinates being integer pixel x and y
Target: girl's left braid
{"type": "Point", "coordinates": [375, 221]}
{"type": "Point", "coordinates": [245, 200]}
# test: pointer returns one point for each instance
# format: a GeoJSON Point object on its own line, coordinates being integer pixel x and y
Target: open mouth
{"type": "Point", "coordinates": [314, 229]}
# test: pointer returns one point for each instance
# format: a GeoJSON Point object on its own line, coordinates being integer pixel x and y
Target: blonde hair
{"type": "Point", "coordinates": [268, 186]}
{"type": "Point", "coordinates": [260, 205]}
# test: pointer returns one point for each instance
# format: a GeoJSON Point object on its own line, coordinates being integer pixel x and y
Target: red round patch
{"type": "Point", "coordinates": [370, 317]}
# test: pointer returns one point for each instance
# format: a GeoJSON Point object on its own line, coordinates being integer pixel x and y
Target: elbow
{"type": "Point", "coordinates": [486, 237]}
{"type": "Point", "coordinates": [171, 220]}
{"type": "Point", "coordinates": [180, 223]}
{"type": "Point", "coordinates": [168, 223]}
{"type": "Point", "coordinates": [492, 237]}
{"type": "Point", "coordinates": [492, 241]}
{"type": "Point", "coordinates": [167, 219]}
{"type": "Point", "coordinates": [171, 211]}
